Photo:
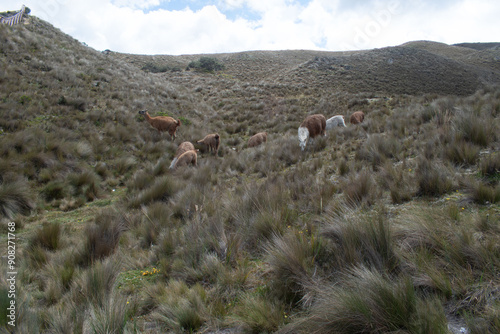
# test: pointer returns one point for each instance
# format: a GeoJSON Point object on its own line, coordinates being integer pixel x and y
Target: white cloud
{"type": "Point", "coordinates": [149, 27]}
{"type": "Point", "coordinates": [136, 4]}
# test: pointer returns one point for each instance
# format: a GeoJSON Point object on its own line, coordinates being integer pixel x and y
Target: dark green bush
{"type": "Point", "coordinates": [206, 64]}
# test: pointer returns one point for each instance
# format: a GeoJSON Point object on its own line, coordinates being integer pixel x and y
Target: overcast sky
{"type": "Point", "coordinates": [216, 26]}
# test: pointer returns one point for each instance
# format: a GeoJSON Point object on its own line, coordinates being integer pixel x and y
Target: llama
{"type": "Point", "coordinates": [357, 117]}
{"type": "Point", "coordinates": [183, 147]}
{"type": "Point", "coordinates": [312, 126]}
{"type": "Point", "coordinates": [257, 139]}
{"type": "Point", "coordinates": [162, 123]}
{"type": "Point", "coordinates": [212, 141]}
{"type": "Point", "coordinates": [187, 158]}
{"type": "Point", "coordinates": [335, 121]}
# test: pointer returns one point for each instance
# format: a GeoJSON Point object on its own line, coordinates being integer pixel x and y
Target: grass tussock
{"type": "Point", "coordinates": [475, 128]}
{"type": "Point", "coordinates": [361, 241]}
{"type": "Point", "coordinates": [360, 189]}
{"type": "Point", "coordinates": [433, 178]}
{"type": "Point", "coordinates": [48, 236]}
{"type": "Point", "coordinates": [111, 317]}
{"type": "Point", "coordinates": [399, 180]}
{"type": "Point", "coordinates": [160, 190]}
{"type": "Point", "coordinates": [256, 314]}
{"type": "Point", "coordinates": [484, 193]}
{"type": "Point", "coordinates": [15, 198]}
{"type": "Point", "coordinates": [489, 167]}
{"type": "Point", "coordinates": [102, 236]}
{"type": "Point", "coordinates": [370, 302]}
{"type": "Point", "coordinates": [182, 308]}
{"type": "Point", "coordinates": [290, 258]}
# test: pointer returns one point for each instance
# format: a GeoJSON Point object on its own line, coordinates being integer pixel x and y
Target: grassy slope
{"type": "Point", "coordinates": [257, 240]}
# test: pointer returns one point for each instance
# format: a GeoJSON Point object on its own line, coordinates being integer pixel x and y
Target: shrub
{"type": "Point", "coordinates": [206, 64]}
{"type": "Point", "coordinates": [24, 99]}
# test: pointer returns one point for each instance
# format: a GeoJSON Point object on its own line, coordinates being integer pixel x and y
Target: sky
{"type": "Point", "coordinates": [176, 27]}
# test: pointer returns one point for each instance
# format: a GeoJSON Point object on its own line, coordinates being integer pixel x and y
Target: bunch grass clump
{"type": "Point", "coordinates": [161, 189]}
{"type": "Point", "coordinates": [433, 178]}
{"type": "Point", "coordinates": [489, 167]}
{"type": "Point", "coordinates": [182, 308]}
{"type": "Point", "coordinates": [361, 241]}
{"type": "Point", "coordinates": [361, 188]}
{"type": "Point", "coordinates": [291, 259]}
{"type": "Point", "coordinates": [484, 193]}
{"type": "Point", "coordinates": [369, 302]}
{"type": "Point", "coordinates": [16, 197]}
{"type": "Point", "coordinates": [102, 236]}
{"type": "Point", "coordinates": [48, 236]}
{"type": "Point", "coordinates": [257, 314]}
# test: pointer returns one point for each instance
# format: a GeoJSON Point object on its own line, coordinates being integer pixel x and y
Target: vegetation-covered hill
{"type": "Point", "coordinates": [387, 226]}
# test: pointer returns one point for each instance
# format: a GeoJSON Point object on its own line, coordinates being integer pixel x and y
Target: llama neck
{"type": "Point", "coordinates": [303, 133]}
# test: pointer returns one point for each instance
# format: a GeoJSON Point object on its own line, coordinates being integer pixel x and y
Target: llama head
{"type": "Point", "coordinates": [303, 136]}
{"type": "Point", "coordinates": [342, 121]}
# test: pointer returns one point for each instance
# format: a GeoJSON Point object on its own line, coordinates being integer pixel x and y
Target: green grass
{"type": "Point", "coordinates": [134, 280]}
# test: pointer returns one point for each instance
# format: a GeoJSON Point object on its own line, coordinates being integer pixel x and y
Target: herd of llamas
{"type": "Point", "coordinates": [186, 154]}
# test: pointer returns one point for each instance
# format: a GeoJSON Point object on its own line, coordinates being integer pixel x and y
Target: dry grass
{"type": "Point", "coordinates": [266, 239]}
{"type": "Point", "coordinates": [369, 302]}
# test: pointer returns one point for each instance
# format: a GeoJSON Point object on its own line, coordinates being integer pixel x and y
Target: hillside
{"type": "Point", "coordinates": [413, 68]}
{"type": "Point", "coordinates": [479, 46]}
{"type": "Point", "coordinates": [392, 225]}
